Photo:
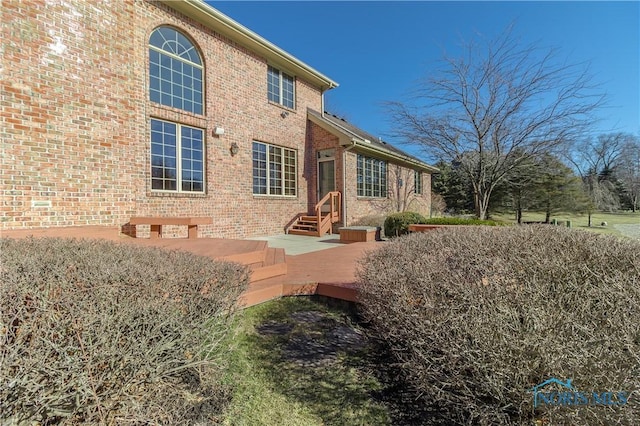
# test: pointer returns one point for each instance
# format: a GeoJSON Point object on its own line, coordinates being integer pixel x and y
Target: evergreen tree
{"type": "Point", "coordinates": [557, 188]}
{"type": "Point", "coordinates": [453, 186]}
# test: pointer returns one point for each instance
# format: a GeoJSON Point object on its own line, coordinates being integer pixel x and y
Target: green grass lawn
{"type": "Point", "coordinates": [580, 220]}
{"type": "Point", "coordinates": [289, 367]}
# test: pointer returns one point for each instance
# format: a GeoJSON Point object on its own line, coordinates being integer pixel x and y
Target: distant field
{"type": "Point", "coordinates": [620, 223]}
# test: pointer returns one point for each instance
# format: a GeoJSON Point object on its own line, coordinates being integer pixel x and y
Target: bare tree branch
{"type": "Point", "coordinates": [495, 107]}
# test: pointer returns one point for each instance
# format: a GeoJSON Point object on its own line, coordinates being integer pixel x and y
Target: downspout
{"type": "Point", "coordinates": [344, 181]}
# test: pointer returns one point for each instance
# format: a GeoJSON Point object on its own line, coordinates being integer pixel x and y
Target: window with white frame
{"type": "Point", "coordinates": [274, 170]}
{"type": "Point", "coordinates": [280, 88]}
{"type": "Point", "coordinates": [177, 157]}
{"type": "Point", "coordinates": [175, 71]}
{"type": "Point", "coordinates": [372, 177]}
{"type": "Point", "coordinates": [417, 185]}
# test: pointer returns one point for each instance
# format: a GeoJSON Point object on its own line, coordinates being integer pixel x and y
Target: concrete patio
{"type": "Point", "coordinates": [301, 244]}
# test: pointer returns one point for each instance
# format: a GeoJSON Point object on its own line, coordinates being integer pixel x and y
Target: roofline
{"type": "Point", "coordinates": [407, 160]}
{"type": "Point", "coordinates": [222, 24]}
{"type": "Point", "coordinates": [350, 138]}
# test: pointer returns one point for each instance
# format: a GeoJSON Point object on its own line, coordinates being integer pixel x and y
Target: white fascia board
{"type": "Point", "coordinates": [222, 24]}
{"type": "Point", "coordinates": [385, 154]}
{"type": "Point", "coordinates": [346, 138]}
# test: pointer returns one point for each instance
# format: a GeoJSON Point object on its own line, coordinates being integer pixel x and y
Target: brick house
{"type": "Point", "coordinates": [170, 108]}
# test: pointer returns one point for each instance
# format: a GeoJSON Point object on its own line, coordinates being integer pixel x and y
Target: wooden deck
{"type": "Point", "coordinates": [329, 272]}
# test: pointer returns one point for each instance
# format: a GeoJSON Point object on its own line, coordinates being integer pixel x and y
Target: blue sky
{"type": "Point", "coordinates": [377, 51]}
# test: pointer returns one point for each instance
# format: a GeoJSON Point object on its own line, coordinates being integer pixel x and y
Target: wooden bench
{"type": "Point", "coordinates": [357, 234]}
{"type": "Point", "coordinates": [156, 223]}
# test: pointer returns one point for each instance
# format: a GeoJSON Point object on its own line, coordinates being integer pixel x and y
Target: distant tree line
{"type": "Point", "coordinates": [598, 174]}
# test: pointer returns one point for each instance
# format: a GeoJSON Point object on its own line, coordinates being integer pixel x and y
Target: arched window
{"type": "Point", "coordinates": [175, 71]}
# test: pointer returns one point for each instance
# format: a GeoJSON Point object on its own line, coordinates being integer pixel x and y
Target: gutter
{"type": "Point", "coordinates": [223, 25]}
{"type": "Point", "coordinates": [365, 146]}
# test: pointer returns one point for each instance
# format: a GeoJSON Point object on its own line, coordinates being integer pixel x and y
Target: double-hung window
{"type": "Point", "coordinates": [372, 177]}
{"type": "Point", "coordinates": [177, 157]}
{"type": "Point", "coordinates": [417, 186]}
{"type": "Point", "coordinates": [274, 170]}
{"type": "Point", "coordinates": [280, 88]}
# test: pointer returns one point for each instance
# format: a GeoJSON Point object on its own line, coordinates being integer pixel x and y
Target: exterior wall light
{"type": "Point", "coordinates": [234, 148]}
{"type": "Point", "coordinates": [218, 131]}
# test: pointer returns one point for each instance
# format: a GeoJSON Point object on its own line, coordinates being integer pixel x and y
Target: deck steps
{"type": "Point", "coordinates": [304, 225]}
{"type": "Point", "coordinates": [274, 265]}
{"type": "Point", "coordinates": [264, 262]}
{"type": "Point", "coordinates": [306, 274]}
{"type": "Point", "coordinates": [327, 213]}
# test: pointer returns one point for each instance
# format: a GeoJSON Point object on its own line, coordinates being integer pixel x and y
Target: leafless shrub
{"type": "Point", "coordinates": [479, 316]}
{"type": "Point", "coordinates": [372, 220]}
{"type": "Point", "coordinates": [438, 204]}
{"type": "Point", "coordinates": [99, 332]}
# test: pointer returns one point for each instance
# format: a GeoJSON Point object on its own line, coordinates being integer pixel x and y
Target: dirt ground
{"type": "Point", "coordinates": [311, 348]}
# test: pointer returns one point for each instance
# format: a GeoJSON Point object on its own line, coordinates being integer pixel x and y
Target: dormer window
{"type": "Point", "coordinates": [280, 88]}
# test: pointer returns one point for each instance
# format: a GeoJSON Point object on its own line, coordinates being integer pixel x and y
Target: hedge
{"type": "Point", "coordinates": [104, 333]}
{"type": "Point", "coordinates": [479, 316]}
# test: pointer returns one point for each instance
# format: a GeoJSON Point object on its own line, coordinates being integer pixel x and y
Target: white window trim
{"type": "Point", "coordinates": [179, 58]}
{"type": "Point", "coordinates": [282, 171]}
{"type": "Point", "coordinates": [281, 89]}
{"type": "Point", "coordinates": [383, 191]}
{"type": "Point", "coordinates": [417, 182]}
{"type": "Point", "coordinates": [179, 189]}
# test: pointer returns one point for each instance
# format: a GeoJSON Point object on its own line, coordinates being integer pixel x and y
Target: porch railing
{"type": "Point", "coordinates": [334, 200]}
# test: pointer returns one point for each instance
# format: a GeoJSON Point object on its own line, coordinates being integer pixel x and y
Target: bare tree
{"type": "Point", "coordinates": [522, 185]}
{"type": "Point", "coordinates": [628, 171]}
{"type": "Point", "coordinates": [600, 155]}
{"type": "Point", "coordinates": [401, 187]}
{"type": "Point", "coordinates": [401, 191]}
{"type": "Point", "coordinates": [496, 107]}
{"type": "Point", "coordinates": [602, 162]}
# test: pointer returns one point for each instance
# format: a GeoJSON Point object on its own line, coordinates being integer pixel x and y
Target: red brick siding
{"type": "Point", "coordinates": [75, 115]}
{"type": "Point", "coordinates": [358, 207]}
{"type": "Point", "coordinates": [68, 109]}
{"type": "Point", "coordinates": [319, 139]}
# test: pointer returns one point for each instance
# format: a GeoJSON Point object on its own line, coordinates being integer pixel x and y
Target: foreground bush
{"type": "Point", "coordinates": [397, 224]}
{"type": "Point", "coordinates": [479, 316]}
{"type": "Point", "coordinates": [458, 221]}
{"type": "Point", "coordinates": [371, 220]}
{"type": "Point", "coordinates": [103, 333]}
